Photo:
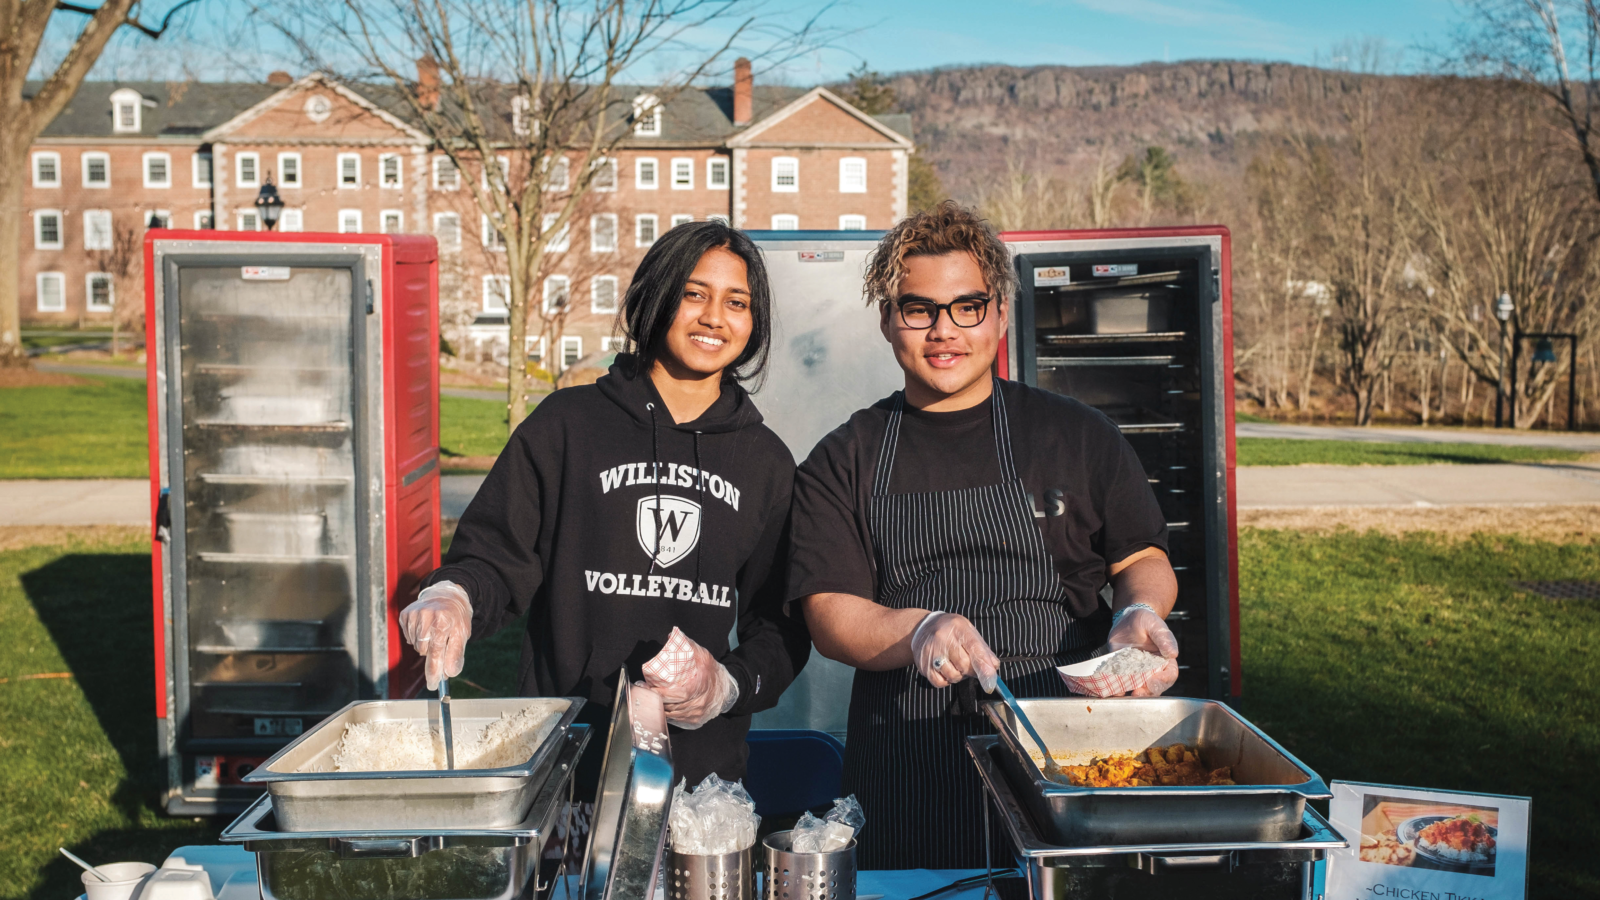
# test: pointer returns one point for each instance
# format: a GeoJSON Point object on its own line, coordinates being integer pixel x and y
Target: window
{"type": "Point", "coordinates": [535, 347]}
{"type": "Point", "coordinates": [682, 174]}
{"type": "Point", "coordinates": [200, 168]}
{"type": "Point", "coordinates": [559, 174]}
{"type": "Point", "coordinates": [157, 170]}
{"type": "Point", "coordinates": [852, 223]}
{"type": "Point", "coordinates": [647, 115]}
{"type": "Point", "coordinates": [603, 295]}
{"type": "Point", "coordinates": [159, 218]}
{"type": "Point", "coordinates": [292, 220]}
{"type": "Point", "coordinates": [447, 230]}
{"type": "Point", "coordinates": [717, 174]}
{"type": "Point", "coordinates": [785, 223]}
{"type": "Point", "coordinates": [47, 229]}
{"type": "Point", "coordinates": [681, 219]}
{"type": "Point", "coordinates": [391, 221]}
{"type": "Point", "coordinates": [560, 240]}
{"type": "Point", "coordinates": [97, 229]}
{"type": "Point", "coordinates": [491, 238]}
{"type": "Point", "coordinates": [571, 351]}
{"type": "Point", "coordinates": [126, 108]}
{"type": "Point", "coordinates": [785, 174]}
{"type": "Point", "coordinates": [603, 233]}
{"type": "Point", "coordinates": [349, 170]}
{"type": "Point", "coordinates": [289, 169]}
{"type": "Point", "coordinates": [556, 293]}
{"type": "Point", "coordinates": [47, 170]}
{"type": "Point", "coordinates": [644, 230]}
{"type": "Point", "coordinates": [248, 167]}
{"type": "Point", "coordinates": [496, 293]}
{"type": "Point", "coordinates": [96, 170]}
{"type": "Point", "coordinates": [349, 221]}
{"type": "Point", "coordinates": [605, 174]}
{"type": "Point", "coordinates": [52, 288]}
{"type": "Point", "coordinates": [519, 115]}
{"type": "Point", "coordinates": [715, 218]}
{"type": "Point", "coordinates": [389, 170]}
{"type": "Point", "coordinates": [852, 175]}
{"type": "Point", "coordinates": [202, 220]}
{"type": "Point", "coordinates": [97, 288]}
{"type": "Point", "coordinates": [613, 344]}
{"type": "Point", "coordinates": [446, 177]}
{"type": "Point", "coordinates": [645, 176]}
{"type": "Point", "coordinates": [249, 221]}
{"type": "Point", "coordinates": [505, 173]}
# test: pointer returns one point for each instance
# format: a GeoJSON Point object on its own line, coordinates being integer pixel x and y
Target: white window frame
{"type": "Point", "coordinates": [713, 166]}
{"type": "Point", "coordinates": [562, 241]}
{"type": "Point", "coordinates": [505, 172]}
{"type": "Point", "coordinates": [680, 219]}
{"type": "Point", "coordinates": [39, 243]}
{"type": "Point", "coordinates": [450, 246]}
{"type": "Point", "coordinates": [88, 292]}
{"type": "Point", "coordinates": [89, 157]}
{"type": "Point", "coordinates": [571, 340]}
{"type": "Point", "coordinates": [165, 215]}
{"type": "Point", "coordinates": [61, 291]}
{"type": "Point", "coordinates": [346, 215]}
{"type": "Point", "coordinates": [520, 105]}
{"type": "Point", "coordinates": [490, 236]}
{"type": "Point", "coordinates": [638, 229]}
{"type": "Point", "coordinates": [852, 222]}
{"type": "Point", "coordinates": [845, 185]}
{"type": "Point", "coordinates": [144, 167]}
{"type": "Point", "coordinates": [383, 171]}
{"type": "Point", "coordinates": [89, 242]}
{"type": "Point", "coordinates": [685, 165]}
{"type": "Point", "coordinates": [528, 345]}
{"type": "Point", "coordinates": [551, 281]}
{"type": "Point", "coordinates": [338, 171]}
{"type": "Point", "coordinates": [238, 170]}
{"type": "Point", "coordinates": [594, 233]}
{"type": "Point", "coordinates": [613, 343]}
{"type": "Point", "coordinates": [399, 218]}
{"type": "Point", "coordinates": [595, 306]}
{"type": "Point", "coordinates": [292, 220]}
{"type": "Point", "coordinates": [777, 163]}
{"type": "Point", "coordinates": [299, 170]}
{"type": "Point", "coordinates": [201, 216]}
{"type": "Point", "coordinates": [639, 182]}
{"type": "Point", "coordinates": [455, 182]}
{"type": "Point", "coordinates": [503, 295]}
{"type": "Point", "coordinates": [562, 164]}
{"type": "Point", "coordinates": [247, 220]}
{"type": "Point", "coordinates": [194, 169]}
{"type": "Point", "coordinates": [785, 222]}
{"type": "Point", "coordinates": [120, 99]}
{"type": "Point", "coordinates": [647, 115]}
{"type": "Point", "coordinates": [52, 156]}
{"type": "Point", "coordinates": [604, 162]}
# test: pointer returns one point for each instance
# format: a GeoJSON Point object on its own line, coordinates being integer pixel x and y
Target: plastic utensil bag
{"type": "Point", "coordinates": [717, 817]}
{"type": "Point", "coordinates": [832, 832]}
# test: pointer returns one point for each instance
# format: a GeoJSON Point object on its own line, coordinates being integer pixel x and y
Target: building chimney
{"type": "Point", "coordinates": [742, 86]}
{"type": "Point", "coordinates": [428, 82]}
{"type": "Point", "coordinates": [280, 78]}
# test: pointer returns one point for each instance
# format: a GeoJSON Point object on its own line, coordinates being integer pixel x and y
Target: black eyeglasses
{"type": "Point", "coordinates": [965, 312]}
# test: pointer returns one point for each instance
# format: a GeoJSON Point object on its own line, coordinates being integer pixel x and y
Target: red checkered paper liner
{"type": "Point", "coordinates": [676, 658]}
{"type": "Point", "coordinates": [1081, 680]}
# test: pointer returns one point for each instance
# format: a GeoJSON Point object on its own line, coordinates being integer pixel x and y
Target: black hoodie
{"type": "Point", "coordinates": [571, 529]}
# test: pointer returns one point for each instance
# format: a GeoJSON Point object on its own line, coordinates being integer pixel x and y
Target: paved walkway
{"type": "Point", "coordinates": [1581, 441]}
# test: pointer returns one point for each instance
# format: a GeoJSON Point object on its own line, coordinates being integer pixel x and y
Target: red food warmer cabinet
{"type": "Point", "coordinates": [1138, 324]}
{"type": "Point", "coordinates": [294, 486]}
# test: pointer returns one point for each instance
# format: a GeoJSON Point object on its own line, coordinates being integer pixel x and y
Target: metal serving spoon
{"type": "Point", "coordinates": [1052, 771]}
{"type": "Point", "coordinates": [444, 722]}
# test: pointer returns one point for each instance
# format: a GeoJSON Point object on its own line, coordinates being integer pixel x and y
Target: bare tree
{"type": "Point", "coordinates": [124, 263]}
{"type": "Point", "coordinates": [23, 24]}
{"type": "Point", "coordinates": [538, 86]}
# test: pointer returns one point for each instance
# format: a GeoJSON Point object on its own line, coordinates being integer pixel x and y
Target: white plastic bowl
{"type": "Point", "coordinates": [126, 877]}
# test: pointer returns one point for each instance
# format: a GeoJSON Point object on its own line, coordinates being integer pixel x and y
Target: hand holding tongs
{"type": "Point", "coordinates": [1052, 771]}
{"type": "Point", "coordinates": [444, 722]}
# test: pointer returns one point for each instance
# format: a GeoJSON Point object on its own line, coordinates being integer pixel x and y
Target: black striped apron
{"type": "Point", "coordinates": [976, 552]}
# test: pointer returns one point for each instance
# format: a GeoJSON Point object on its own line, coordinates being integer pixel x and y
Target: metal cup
{"type": "Point", "coordinates": [808, 876]}
{"type": "Point", "coordinates": [726, 876]}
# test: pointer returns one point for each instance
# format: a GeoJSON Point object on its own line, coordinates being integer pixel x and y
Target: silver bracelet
{"type": "Point", "coordinates": [1117, 616]}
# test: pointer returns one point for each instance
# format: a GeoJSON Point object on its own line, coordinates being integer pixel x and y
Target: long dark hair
{"type": "Point", "coordinates": [651, 304]}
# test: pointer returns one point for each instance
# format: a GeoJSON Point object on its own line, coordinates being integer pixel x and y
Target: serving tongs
{"type": "Point", "coordinates": [444, 724]}
{"type": "Point", "coordinates": [1052, 772]}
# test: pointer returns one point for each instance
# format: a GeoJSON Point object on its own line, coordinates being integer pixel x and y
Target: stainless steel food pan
{"type": "Point", "coordinates": [304, 799]}
{"type": "Point", "coordinates": [1267, 804]}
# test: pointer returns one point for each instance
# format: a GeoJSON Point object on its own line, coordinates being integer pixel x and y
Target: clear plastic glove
{"type": "Point", "coordinates": [947, 648]}
{"type": "Point", "coordinates": [1144, 630]}
{"type": "Point", "coordinates": [699, 693]}
{"type": "Point", "coordinates": [437, 625]}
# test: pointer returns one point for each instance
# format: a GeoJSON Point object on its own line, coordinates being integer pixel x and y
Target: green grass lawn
{"type": "Point", "coordinates": [85, 431]}
{"type": "Point", "coordinates": [1395, 660]}
{"type": "Point", "coordinates": [470, 427]}
{"type": "Point", "coordinates": [1288, 452]}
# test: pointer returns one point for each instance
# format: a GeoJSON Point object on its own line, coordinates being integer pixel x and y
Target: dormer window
{"type": "Point", "coordinates": [127, 106]}
{"type": "Point", "coordinates": [520, 107]}
{"type": "Point", "coordinates": [647, 115]}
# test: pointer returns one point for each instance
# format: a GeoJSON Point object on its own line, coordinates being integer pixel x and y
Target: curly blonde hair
{"type": "Point", "coordinates": [947, 228]}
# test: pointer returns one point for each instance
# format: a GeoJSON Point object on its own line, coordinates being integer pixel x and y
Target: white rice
{"type": "Point", "coordinates": [409, 745]}
{"type": "Point", "coordinates": [1130, 661]}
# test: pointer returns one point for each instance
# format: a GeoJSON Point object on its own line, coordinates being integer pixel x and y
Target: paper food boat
{"type": "Point", "coordinates": [1080, 679]}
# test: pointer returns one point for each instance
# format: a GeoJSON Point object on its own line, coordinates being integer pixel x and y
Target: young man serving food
{"type": "Point", "coordinates": [960, 529]}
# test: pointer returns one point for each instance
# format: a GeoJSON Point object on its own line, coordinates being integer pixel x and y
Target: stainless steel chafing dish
{"type": "Point", "coordinates": [436, 799]}
{"type": "Point", "coordinates": [1268, 803]}
{"type": "Point", "coordinates": [1256, 869]}
{"type": "Point", "coordinates": [629, 829]}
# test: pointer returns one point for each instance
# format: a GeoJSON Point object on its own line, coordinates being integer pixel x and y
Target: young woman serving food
{"type": "Point", "coordinates": [654, 499]}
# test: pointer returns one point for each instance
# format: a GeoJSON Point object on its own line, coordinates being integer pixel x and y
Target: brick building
{"type": "Point", "coordinates": [194, 155]}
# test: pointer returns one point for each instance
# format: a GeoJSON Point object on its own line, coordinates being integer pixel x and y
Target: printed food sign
{"type": "Point", "coordinates": [1051, 276]}
{"type": "Point", "coordinates": [1427, 845]}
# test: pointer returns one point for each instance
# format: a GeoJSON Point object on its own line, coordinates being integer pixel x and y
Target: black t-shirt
{"type": "Point", "coordinates": [1091, 499]}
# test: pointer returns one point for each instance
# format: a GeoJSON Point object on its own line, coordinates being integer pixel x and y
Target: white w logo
{"type": "Point", "coordinates": [668, 527]}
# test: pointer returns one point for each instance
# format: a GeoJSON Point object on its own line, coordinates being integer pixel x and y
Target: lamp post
{"type": "Point", "coordinates": [1503, 309]}
{"type": "Point", "coordinates": [268, 203]}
